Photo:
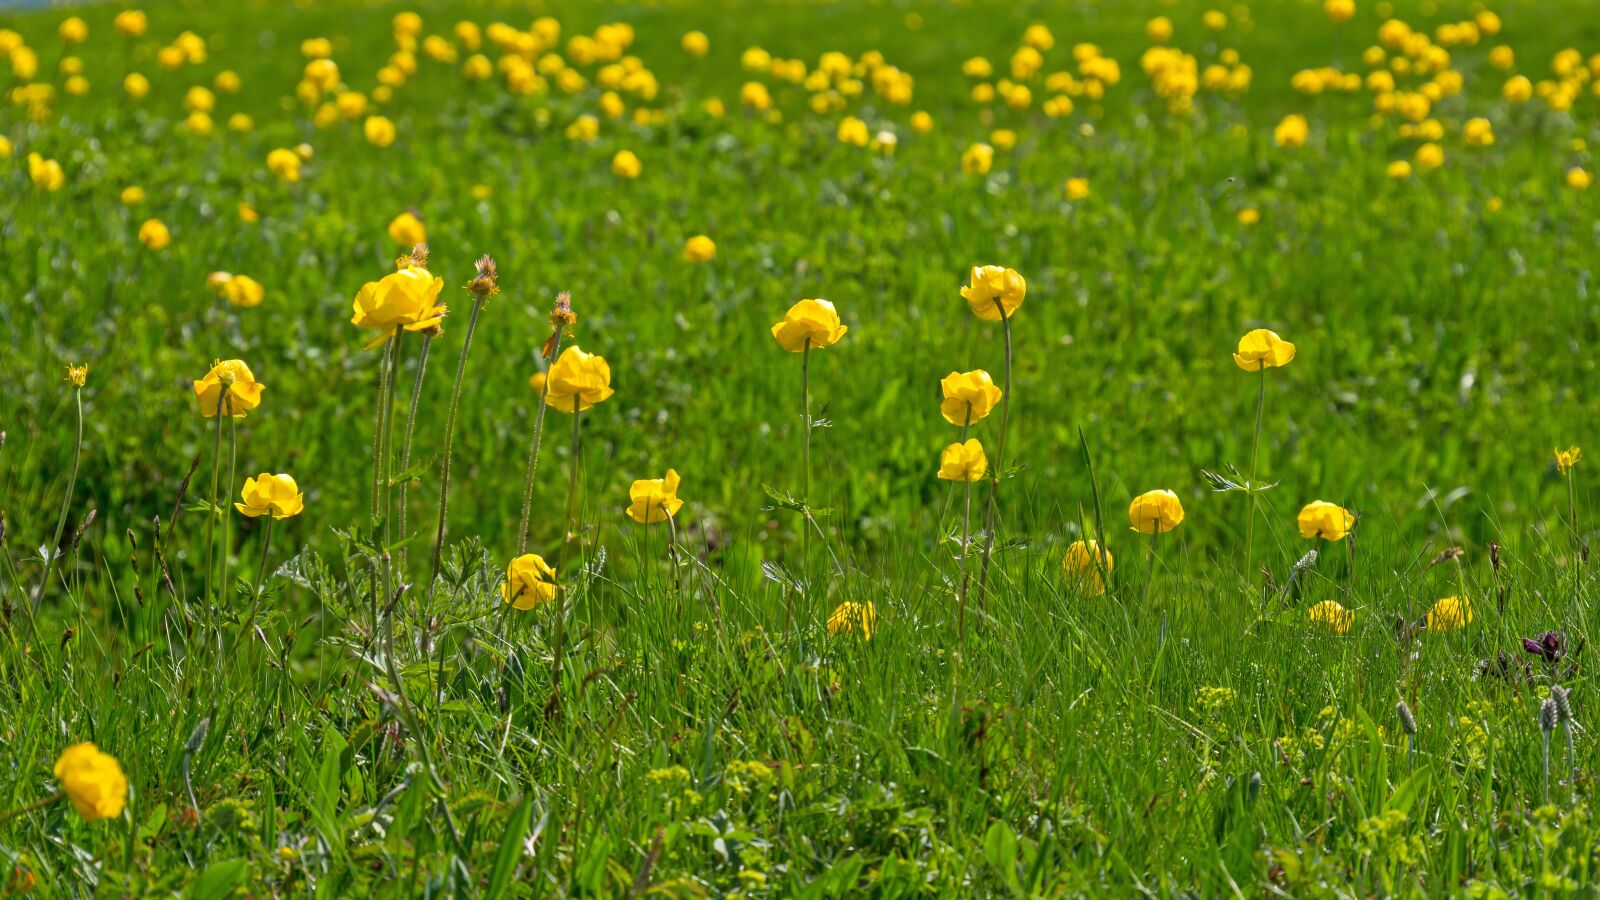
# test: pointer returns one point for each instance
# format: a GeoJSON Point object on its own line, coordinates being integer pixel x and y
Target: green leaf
{"type": "Point", "coordinates": [505, 861]}
{"type": "Point", "coordinates": [218, 880]}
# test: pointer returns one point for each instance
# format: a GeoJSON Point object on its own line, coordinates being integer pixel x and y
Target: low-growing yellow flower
{"type": "Point", "coordinates": [1263, 349]}
{"type": "Point", "coordinates": [850, 616]}
{"type": "Point", "coordinates": [130, 23]}
{"type": "Point", "coordinates": [1248, 216]}
{"type": "Point", "coordinates": [243, 291]}
{"type": "Point", "coordinates": [230, 387]}
{"type": "Point", "coordinates": [45, 174]}
{"type": "Point", "coordinates": [809, 323]}
{"type": "Point", "coordinates": [652, 500]}
{"type": "Point", "coordinates": [285, 164]}
{"type": "Point", "coordinates": [1155, 512]}
{"type": "Point", "coordinates": [1449, 614]}
{"type": "Point", "coordinates": [1339, 10]}
{"type": "Point", "coordinates": [154, 234]}
{"type": "Point", "coordinates": [78, 376]}
{"type": "Point", "coordinates": [1077, 188]}
{"type": "Point", "coordinates": [577, 381]}
{"type": "Point", "coordinates": [977, 159]}
{"type": "Point", "coordinates": [1399, 169]}
{"type": "Point", "coordinates": [963, 462]}
{"type": "Point", "coordinates": [93, 781]}
{"type": "Point", "coordinates": [1478, 132]}
{"type": "Point", "coordinates": [921, 122]}
{"type": "Point", "coordinates": [625, 164]}
{"type": "Point", "coordinates": [699, 249]}
{"type": "Point", "coordinates": [407, 229]}
{"type": "Point", "coordinates": [991, 289]}
{"type": "Point", "coordinates": [1080, 568]}
{"type": "Point", "coordinates": [1159, 29]}
{"type": "Point", "coordinates": [408, 298]}
{"type": "Point", "coordinates": [1330, 614]}
{"type": "Point", "coordinates": [73, 30]}
{"type": "Point", "coordinates": [968, 396]}
{"type": "Point", "coordinates": [132, 195]}
{"type": "Point", "coordinates": [271, 495]}
{"type": "Point", "coordinates": [1577, 178]}
{"type": "Point", "coordinates": [1566, 459]}
{"type": "Point", "coordinates": [695, 43]}
{"type": "Point", "coordinates": [1291, 132]}
{"type": "Point", "coordinates": [853, 131]}
{"type": "Point", "coordinates": [1429, 156]}
{"type": "Point", "coordinates": [1321, 519]}
{"type": "Point", "coordinates": [529, 582]}
{"type": "Point", "coordinates": [379, 131]}
{"type": "Point", "coordinates": [136, 85]}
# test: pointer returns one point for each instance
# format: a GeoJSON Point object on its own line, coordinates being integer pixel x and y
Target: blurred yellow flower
{"type": "Point", "coordinates": [1249, 216]}
{"type": "Point", "coordinates": [652, 500]}
{"type": "Point", "coordinates": [1478, 132]}
{"type": "Point", "coordinates": [154, 234]}
{"type": "Point", "coordinates": [1291, 132]}
{"type": "Point", "coordinates": [809, 323]}
{"type": "Point", "coordinates": [46, 174]}
{"type": "Point", "coordinates": [130, 23]}
{"type": "Point", "coordinates": [991, 289]}
{"type": "Point", "coordinates": [227, 81]}
{"type": "Point", "coordinates": [1263, 349]}
{"type": "Point", "coordinates": [1429, 156]}
{"type": "Point", "coordinates": [529, 582]}
{"type": "Point", "coordinates": [1159, 29]}
{"type": "Point", "coordinates": [968, 396]}
{"type": "Point", "coordinates": [625, 164]}
{"type": "Point", "coordinates": [243, 291]}
{"type": "Point", "coordinates": [695, 43]}
{"type": "Point", "coordinates": [229, 388]}
{"type": "Point", "coordinates": [1080, 568]}
{"type": "Point", "coordinates": [408, 298]}
{"type": "Point", "coordinates": [1155, 512]}
{"type": "Point", "coordinates": [850, 616]}
{"type": "Point", "coordinates": [1399, 169]}
{"type": "Point", "coordinates": [1325, 520]}
{"type": "Point", "coordinates": [1077, 188]}
{"type": "Point", "coordinates": [1339, 10]}
{"type": "Point", "coordinates": [963, 461]}
{"type": "Point", "coordinates": [93, 781]}
{"type": "Point", "coordinates": [284, 163]}
{"type": "Point", "coordinates": [699, 249]}
{"type": "Point", "coordinates": [271, 495]}
{"type": "Point", "coordinates": [537, 381]}
{"type": "Point", "coordinates": [1330, 614]}
{"type": "Point", "coordinates": [921, 122]}
{"type": "Point", "coordinates": [977, 159]}
{"type": "Point", "coordinates": [136, 85]}
{"type": "Point", "coordinates": [577, 381]}
{"type": "Point", "coordinates": [5, 146]}
{"type": "Point", "coordinates": [853, 131]}
{"type": "Point", "coordinates": [1517, 89]}
{"type": "Point", "coordinates": [1449, 614]}
{"type": "Point", "coordinates": [378, 130]}
{"type": "Point", "coordinates": [1577, 178]}
{"type": "Point", "coordinates": [73, 30]}
{"type": "Point", "coordinates": [249, 213]}
{"type": "Point", "coordinates": [407, 229]}
{"type": "Point", "coordinates": [132, 195]}
{"type": "Point", "coordinates": [1566, 459]}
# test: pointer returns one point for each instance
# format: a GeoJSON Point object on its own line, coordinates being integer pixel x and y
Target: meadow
{"type": "Point", "coordinates": [429, 465]}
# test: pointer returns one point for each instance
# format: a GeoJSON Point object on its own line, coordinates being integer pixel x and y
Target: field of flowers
{"type": "Point", "coordinates": [429, 465]}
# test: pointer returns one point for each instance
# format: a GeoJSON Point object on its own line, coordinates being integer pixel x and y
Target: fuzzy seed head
{"type": "Point", "coordinates": [1408, 722]}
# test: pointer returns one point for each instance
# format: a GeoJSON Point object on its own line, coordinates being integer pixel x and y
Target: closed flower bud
{"type": "Point", "coordinates": [1155, 512]}
{"type": "Point", "coordinates": [271, 495]}
{"type": "Point", "coordinates": [991, 289]}
{"type": "Point", "coordinates": [529, 582]}
{"type": "Point", "coordinates": [577, 381]}
{"type": "Point", "coordinates": [809, 323]}
{"type": "Point", "coordinates": [93, 782]}
{"type": "Point", "coordinates": [963, 462]}
{"type": "Point", "coordinates": [653, 500]}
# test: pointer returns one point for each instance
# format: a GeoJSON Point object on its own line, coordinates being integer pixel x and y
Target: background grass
{"type": "Point", "coordinates": [1069, 744]}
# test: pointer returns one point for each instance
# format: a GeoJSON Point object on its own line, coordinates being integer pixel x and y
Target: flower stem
{"type": "Point", "coordinates": [66, 504]}
{"type": "Point", "coordinates": [227, 511]}
{"type": "Point", "coordinates": [966, 539]}
{"type": "Point", "coordinates": [449, 435]}
{"type": "Point", "coordinates": [1250, 481]}
{"type": "Point", "coordinates": [216, 471]}
{"type": "Point", "coordinates": [533, 455]}
{"type": "Point", "coordinates": [999, 459]}
{"type": "Point", "coordinates": [805, 486]}
{"type": "Point", "coordinates": [405, 447]}
{"type": "Point", "coordinates": [556, 662]}
{"type": "Point", "coordinates": [1150, 573]}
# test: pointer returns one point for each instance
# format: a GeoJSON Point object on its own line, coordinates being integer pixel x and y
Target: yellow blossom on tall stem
{"type": "Point", "coordinates": [407, 229]}
{"type": "Point", "coordinates": [849, 617]}
{"type": "Point", "coordinates": [1332, 615]}
{"type": "Point", "coordinates": [228, 389]}
{"type": "Point", "coordinates": [1259, 350]}
{"type": "Point", "coordinates": [653, 500]}
{"type": "Point", "coordinates": [699, 249]}
{"type": "Point", "coordinates": [995, 293]}
{"type": "Point", "coordinates": [93, 781]}
{"type": "Point", "coordinates": [1154, 513]}
{"type": "Point", "coordinates": [271, 497]}
{"type": "Point", "coordinates": [407, 299]}
{"type": "Point", "coordinates": [1321, 519]}
{"type": "Point", "coordinates": [964, 462]}
{"type": "Point", "coordinates": [1087, 566]}
{"type": "Point", "coordinates": [530, 581]}
{"type": "Point", "coordinates": [1566, 461]}
{"type": "Point", "coordinates": [969, 397]}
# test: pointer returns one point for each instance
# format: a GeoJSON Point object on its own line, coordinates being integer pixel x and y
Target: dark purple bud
{"type": "Point", "coordinates": [1532, 646]}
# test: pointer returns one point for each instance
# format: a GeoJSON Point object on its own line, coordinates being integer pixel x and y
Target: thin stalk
{"type": "Point", "coordinates": [405, 447]}
{"type": "Point", "coordinates": [31, 807]}
{"type": "Point", "coordinates": [533, 456]}
{"type": "Point", "coordinates": [227, 511]}
{"type": "Point", "coordinates": [1572, 515]}
{"type": "Point", "coordinates": [1546, 739]}
{"type": "Point", "coordinates": [66, 505]}
{"type": "Point", "coordinates": [1150, 573]}
{"type": "Point", "coordinates": [966, 539]}
{"type": "Point", "coordinates": [999, 459]}
{"type": "Point", "coordinates": [216, 471]}
{"type": "Point", "coordinates": [450, 432]}
{"type": "Point", "coordinates": [672, 557]}
{"type": "Point", "coordinates": [805, 488]}
{"type": "Point", "coordinates": [1250, 479]}
{"type": "Point", "coordinates": [378, 430]}
{"type": "Point", "coordinates": [561, 593]}
{"type": "Point", "coordinates": [261, 579]}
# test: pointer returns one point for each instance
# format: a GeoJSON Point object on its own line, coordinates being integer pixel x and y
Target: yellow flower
{"type": "Point", "coordinates": [46, 174]}
{"type": "Point", "coordinates": [1449, 614]}
{"type": "Point", "coordinates": [407, 230]}
{"type": "Point", "coordinates": [1517, 89]}
{"type": "Point", "coordinates": [379, 131]}
{"type": "Point", "coordinates": [968, 396]}
{"type": "Point", "coordinates": [654, 499]}
{"type": "Point", "coordinates": [1566, 459]}
{"type": "Point", "coordinates": [227, 81]}
{"type": "Point", "coordinates": [1080, 569]}
{"type": "Point", "coordinates": [78, 375]}
{"type": "Point", "coordinates": [133, 195]}
{"type": "Point", "coordinates": [5, 147]}
{"type": "Point", "coordinates": [1159, 29]}
{"type": "Point", "coordinates": [406, 299]}
{"type": "Point", "coordinates": [1399, 169]}
{"type": "Point", "coordinates": [1249, 216]}
{"type": "Point", "coordinates": [1155, 512]}
{"type": "Point", "coordinates": [851, 616]}
{"type": "Point", "coordinates": [963, 462]}
{"type": "Point", "coordinates": [990, 289]}
{"type": "Point", "coordinates": [249, 213]}
{"type": "Point", "coordinates": [695, 43]}
{"type": "Point", "coordinates": [284, 164]}
{"type": "Point", "coordinates": [977, 159]}
{"type": "Point", "coordinates": [1263, 349]}
{"type": "Point", "coordinates": [921, 122]}
{"type": "Point", "coordinates": [625, 164]}
{"type": "Point", "coordinates": [243, 291]}
{"type": "Point", "coordinates": [1478, 132]}
{"type": "Point", "coordinates": [809, 323]}
{"type": "Point", "coordinates": [1291, 132]}
{"type": "Point", "coordinates": [233, 379]}
{"type": "Point", "coordinates": [153, 234]}
{"type": "Point", "coordinates": [73, 30]}
{"type": "Point", "coordinates": [1332, 616]}
{"type": "Point", "coordinates": [1077, 188]}
{"type": "Point", "coordinates": [274, 495]}
{"type": "Point", "coordinates": [1339, 10]}
{"type": "Point", "coordinates": [93, 781]}
{"type": "Point", "coordinates": [1577, 179]}
{"type": "Point", "coordinates": [1325, 520]}
{"type": "Point", "coordinates": [577, 381]}
{"type": "Point", "coordinates": [853, 131]}
{"type": "Point", "coordinates": [130, 23]}
{"type": "Point", "coordinates": [699, 249]}
{"type": "Point", "coordinates": [1429, 156]}
{"type": "Point", "coordinates": [529, 582]}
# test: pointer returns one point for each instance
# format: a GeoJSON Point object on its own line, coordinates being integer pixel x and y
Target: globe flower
{"type": "Point", "coordinates": [963, 462]}
{"type": "Point", "coordinates": [1329, 521]}
{"type": "Point", "coordinates": [529, 582]}
{"type": "Point", "coordinates": [271, 495]}
{"type": "Point", "coordinates": [1566, 459]}
{"type": "Point", "coordinates": [78, 376]}
{"type": "Point", "coordinates": [577, 381]}
{"type": "Point", "coordinates": [815, 321]}
{"type": "Point", "coordinates": [93, 781]}
{"type": "Point", "coordinates": [977, 159]}
{"type": "Point", "coordinates": [73, 30]}
{"type": "Point", "coordinates": [243, 291]}
{"type": "Point", "coordinates": [851, 616]}
{"type": "Point", "coordinates": [379, 132]}
{"type": "Point", "coordinates": [1079, 566]}
{"type": "Point", "coordinates": [46, 174]}
{"type": "Point", "coordinates": [1331, 615]}
{"type": "Point", "coordinates": [406, 299]}
{"type": "Point", "coordinates": [231, 387]}
{"type": "Point", "coordinates": [625, 164]}
{"type": "Point", "coordinates": [699, 249]}
{"type": "Point", "coordinates": [990, 289]}
{"type": "Point", "coordinates": [968, 397]}
{"type": "Point", "coordinates": [1155, 512]}
{"type": "Point", "coordinates": [654, 499]}
{"type": "Point", "coordinates": [130, 23]}
{"type": "Point", "coordinates": [407, 230]}
{"type": "Point", "coordinates": [285, 164]}
{"type": "Point", "coordinates": [1449, 614]}
{"type": "Point", "coordinates": [1077, 188]}
{"type": "Point", "coordinates": [695, 43]}
{"type": "Point", "coordinates": [1262, 349]}
{"type": "Point", "coordinates": [154, 234]}
{"type": "Point", "coordinates": [1291, 132]}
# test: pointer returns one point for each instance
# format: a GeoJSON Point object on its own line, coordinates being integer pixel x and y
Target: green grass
{"type": "Point", "coordinates": [1190, 735]}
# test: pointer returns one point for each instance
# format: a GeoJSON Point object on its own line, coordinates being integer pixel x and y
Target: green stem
{"type": "Point", "coordinates": [405, 448]}
{"type": "Point", "coordinates": [216, 471]}
{"type": "Point", "coordinates": [1150, 573]}
{"type": "Point", "coordinates": [966, 539]}
{"type": "Point", "coordinates": [999, 459]}
{"type": "Point", "coordinates": [533, 454]}
{"type": "Point", "coordinates": [226, 511]}
{"type": "Point", "coordinates": [32, 807]}
{"type": "Point", "coordinates": [571, 535]}
{"type": "Point", "coordinates": [261, 579]}
{"type": "Point", "coordinates": [805, 488]}
{"type": "Point", "coordinates": [1250, 478]}
{"type": "Point", "coordinates": [378, 425]}
{"type": "Point", "coordinates": [449, 436]}
{"type": "Point", "coordinates": [66, 505]}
